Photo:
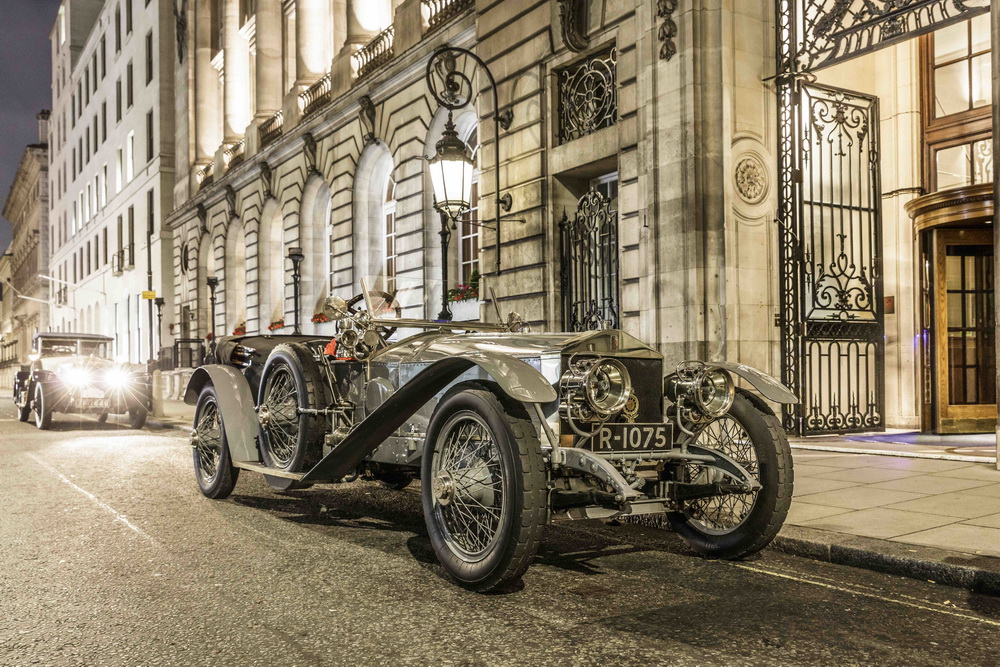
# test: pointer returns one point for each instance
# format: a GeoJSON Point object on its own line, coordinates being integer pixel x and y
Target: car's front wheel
{"type": "Point", "coordinates": [737, 525]}
{"type": "Point", "coordinates": [483, 488]}
{"type": "Point", "coordinates": [43, 411]}
{"type": "Point", "coordinates": [137, 418]}
{"type": "Point", "coordinates": [23, 411]}
{"type": "Point", "coordinates": [212, 466]}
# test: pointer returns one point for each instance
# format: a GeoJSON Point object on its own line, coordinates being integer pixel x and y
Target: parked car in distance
{"type": "Point", "coordinates": [74, 373]}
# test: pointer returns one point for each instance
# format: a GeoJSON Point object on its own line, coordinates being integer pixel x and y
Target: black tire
{"type": "Point", "coordinates": [291, 380]}
{"type": "Point", "coordinates": [23, 411]}
{"type": "Point", "coordinates": [395, 481]}
{"type": "Point", "coordinates": [43, 412]}
{"type": "Point", "coordinates": [518, 473]}
{"type": "Point", "coordinates": [213, 469]}
{"type": "Point", "coordinates": [102, 418]}
{"type": "Point", "coordinates": [706, 526]}
{"type": "Point", "coordinates": [137, 418]}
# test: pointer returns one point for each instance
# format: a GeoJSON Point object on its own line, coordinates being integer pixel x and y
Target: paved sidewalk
{"type": "Point", "coordinates": [951, 505]}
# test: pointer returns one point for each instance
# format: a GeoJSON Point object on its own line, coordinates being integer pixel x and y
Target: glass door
{"type": "Point", "coordinates": [965, 363]}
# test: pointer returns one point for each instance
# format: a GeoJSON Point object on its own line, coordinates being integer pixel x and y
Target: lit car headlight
{"type": "Point", "coordinates": [708, 389]}
{"type": "Point", "coordinates": [75, 377]}
{"type": "Point", "coordinates": [594, 389]}
{"type": "Point", "coordinates": [118, 377]}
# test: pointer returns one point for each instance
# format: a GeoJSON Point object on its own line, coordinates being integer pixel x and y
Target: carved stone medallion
{"type": "Point", "coordinates": [751, 179]}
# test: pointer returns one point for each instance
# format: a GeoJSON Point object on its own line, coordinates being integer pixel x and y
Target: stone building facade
{"type": "Point", "coordinates": [111, 150]}
{"type": "Point", "coordinates": [656, 125]}
{"type": "Point", "coordinates": [25, 310]}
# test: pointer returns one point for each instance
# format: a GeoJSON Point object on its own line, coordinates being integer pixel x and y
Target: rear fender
{"type": "Point", "coordinates": [236, 404]}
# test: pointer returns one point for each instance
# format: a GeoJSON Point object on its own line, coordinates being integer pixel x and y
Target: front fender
{"type": "Point", "coordinates": [236, 405]}
{"type": "Point", "coordinates": [768, 386]}
{"type": "Point", "coordinates": [518, 379]}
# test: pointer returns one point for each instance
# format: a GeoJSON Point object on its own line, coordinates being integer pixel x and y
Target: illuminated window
{"type": "Point", "coordinates": [389, 214]}
{"type": "Point", "coordinates": [468, 237]}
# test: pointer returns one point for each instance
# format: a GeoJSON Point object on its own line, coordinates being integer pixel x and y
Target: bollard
{"type": "Point", "coordinates": [158, 393]}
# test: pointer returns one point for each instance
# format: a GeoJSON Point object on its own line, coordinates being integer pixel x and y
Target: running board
{"type": "Point", "coordinates": [263, 469]}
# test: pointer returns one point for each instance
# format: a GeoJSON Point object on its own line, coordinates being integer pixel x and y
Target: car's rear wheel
{"type": "Point", "coordinates": [483, 489]}
{"type": "Point", "coordinates": [291, 437]}
{"type": "Point", "coordinates": [737, 525]}
{"type": "Point", "coordinates": [213, 468]}
{"type": "Point", "coordinates": [43, 411]}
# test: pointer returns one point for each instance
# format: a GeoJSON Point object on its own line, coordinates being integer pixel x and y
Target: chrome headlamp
{"type": "Point", "coordinates": [594, 388]}
{"type": "Point", "coordinates": [709, 390]}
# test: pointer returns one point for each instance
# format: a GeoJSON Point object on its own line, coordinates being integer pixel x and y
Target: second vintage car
{"type": "Point", "coordinates": [506, 430]}
{"type": "Point", "coordinates": [75, 373]}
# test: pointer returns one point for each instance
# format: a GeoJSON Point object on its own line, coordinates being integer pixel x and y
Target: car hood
{"type": "Point", "coordinates": [431, 345]}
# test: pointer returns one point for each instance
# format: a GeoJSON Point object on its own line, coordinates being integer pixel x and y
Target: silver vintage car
{"type": "Point", "coordinates": [505, 429]}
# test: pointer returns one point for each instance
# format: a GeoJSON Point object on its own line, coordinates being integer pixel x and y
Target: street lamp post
{"type": "Point", "coordinates": [451, 167]}
{"type": "Point", "coordinates": [212, 283]}
{"type": "Point", "coordinates": [445, 314]}
{"type": "Point", "coordinates": [159, 301]}
{"type": "Point", "coordinates": [295, 254]}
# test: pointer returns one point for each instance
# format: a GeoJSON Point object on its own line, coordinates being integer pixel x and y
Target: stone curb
{"type": "Point", "coordinates": [980, 574]}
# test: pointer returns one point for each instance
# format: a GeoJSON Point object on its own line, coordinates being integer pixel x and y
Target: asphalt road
{"type": "Point", "coordinates": [109, 555]}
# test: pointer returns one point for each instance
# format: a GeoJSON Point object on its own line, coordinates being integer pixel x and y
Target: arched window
{"type": "Point", "coordinates": [270, 267]}
{"type": "Point", "coordinates": [314, 239]}
{"type": "Point", "coordinates": [374, 223]}
{"type": "Point", "coordinates": [389, 257]}
{"type": "Point", "coordinates": [234, 288]}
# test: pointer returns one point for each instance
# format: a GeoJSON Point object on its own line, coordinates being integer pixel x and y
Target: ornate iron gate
{"type": "Point", "coordinates": [832, 330]}
{"type": "Point", "coordinates": [590, 264]}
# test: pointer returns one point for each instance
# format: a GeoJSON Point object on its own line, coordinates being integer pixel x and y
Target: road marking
{"type": "Point", "coordinates": [900, 454]}
{"type": "Point", "coordinates": [97, 501]}
{"type": "Point", "coordinates": [875, 596]}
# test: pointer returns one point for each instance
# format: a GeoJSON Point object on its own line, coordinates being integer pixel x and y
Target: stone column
{"type": "Point", "coordinates": [312, 39]}
{"type": "Point", "coordinates": [268, 73]}
{"type": "Point", "coordinates": [236, 74]}
{"type": "Point", "coordinates": [206, 100]}
{"type": "Point", "coordinates": [995, 22]}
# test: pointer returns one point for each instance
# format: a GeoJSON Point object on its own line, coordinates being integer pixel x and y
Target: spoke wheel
{"type": "Point", "coordinates": [721, 514]}
{"type": "Point", "coordinates": [738, 524]}
{"type": "Point", "coordinates": [483, 488]}
{"type": "Point", "coordinates": [213, 470]}
{"type": "Point", "coordinates": [467, 482]}
{"type": "Point", "coordinates": [279, 415]}
{"type": "Point", "coordinates": [291, 437]}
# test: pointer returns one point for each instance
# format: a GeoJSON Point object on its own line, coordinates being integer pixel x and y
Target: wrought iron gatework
{"type": "Point", "coordinates": [831, 319]}
{"type": "Point", "coordinates": [588, 96]}
{"type": "Point", "coordinates": [835, 30]}
{"type": "Point", "coordinates": [590, 265]}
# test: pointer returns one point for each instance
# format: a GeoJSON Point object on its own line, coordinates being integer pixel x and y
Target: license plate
{"type": "Point", "coordinates": [633, 438]}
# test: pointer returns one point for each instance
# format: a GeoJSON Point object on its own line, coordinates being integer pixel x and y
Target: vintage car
{"type": "Point", "coordinates": [507, 430]}
{"type": "Point", "coordinates": [74, 373]}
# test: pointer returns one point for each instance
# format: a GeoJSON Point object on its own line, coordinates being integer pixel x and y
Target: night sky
{"type": "Point", "coordinates": [25, 74]}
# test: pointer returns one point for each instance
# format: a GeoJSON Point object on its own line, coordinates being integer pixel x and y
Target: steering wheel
{"type": "Point", "coordinates": [384, 332]}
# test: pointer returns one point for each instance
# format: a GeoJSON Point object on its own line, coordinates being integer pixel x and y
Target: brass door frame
{"type": "Point", "coordinates": [950, 418]}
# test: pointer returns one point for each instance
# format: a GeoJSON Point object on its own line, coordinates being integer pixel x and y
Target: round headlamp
{"type": "Point", "coordinates": [713, 392]}
{"type": "Point", "coordinates": [607, 387]}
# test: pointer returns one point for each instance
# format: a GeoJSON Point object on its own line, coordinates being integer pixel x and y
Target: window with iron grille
{"type": "Point", "coordinates": [588, 96]}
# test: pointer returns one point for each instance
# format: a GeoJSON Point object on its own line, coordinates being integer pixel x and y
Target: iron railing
{"type": "Point", "coordinates": [590, 265]}
{"type": "Point", "coordinates": [187, 353]}
{"type": "Point", "coordinates": [62, 295]}
{"type": "Point", "coordinates": [123, 259]}
{"type": "Point", "coordinates": [235, 154]}
{"type": "Point", "coordinates": [375, 53]}
{"type": "Point", "coordinates": [316, 96]}
{"type": "Point", "coordinates": [271, 129]}
{"type": "Point", "coordinates": [440, 11]}
{"type": "Point", "coordinates": [205, 176]}
{"type": "Point", "coordinates": [588, 96]}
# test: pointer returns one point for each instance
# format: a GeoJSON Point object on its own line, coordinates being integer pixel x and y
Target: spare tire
{"type": "Point", "coordinates": [291, 440]}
